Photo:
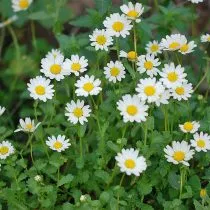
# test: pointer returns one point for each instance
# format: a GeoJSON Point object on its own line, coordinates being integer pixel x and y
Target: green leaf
{"type": "Point", "coordinates": [65, 180]}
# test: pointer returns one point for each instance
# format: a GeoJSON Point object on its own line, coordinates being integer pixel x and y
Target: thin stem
{"type": "Point", "coordinates": [156, 4]}
{"type": "Point", "coordinates": [182, 179]}
{"type": "Point", "coordinates": [15, 40]}
{"type": "Point", "coordinates": [118, 196]}
{"type": "Point", "coordinates": [118, 48]}
{"type": "Point", "coordinates": [112, 176]}
{"type": "Point", "coordinates": [58, 176]}
{"type": "Point", "coordinates": [145, 134]}
{"type": "Point", "coordinates": [31, 152]}
{"type": "Point", "coordinates": [134, 37]}
{"type": "Point", "coordinates": [33, 33]}
{"type": "Point", "coordinates": [35, 109]}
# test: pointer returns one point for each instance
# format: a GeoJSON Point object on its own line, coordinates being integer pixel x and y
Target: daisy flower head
{"type": "Point", "coordinates": [55, 53]}
{"type": "Point", "coordinates": [114, 71]}
{"type": "Point", "coordinates": [77, 112]}
{"type": "Point", "coordinates": [196, 1]}
{"type": "Point", "coordinates": [132, 108]}
{"type": "Point", "coordinates": [88, 85]}
{"type": "Point", "coordinates": [131, 55]}
{"type": "Point", "coordinates": [201, 142]}
{"type": "Point", "coordinates": [6, 149]}
{"type": "Point", "coordinates": [75, 65]}
{"type": "Point", "coordinates": [133, 12]}
{"type": "Point", "coordinates": [205, 38]}
{"type": "Point", "coordinates": [149, 89]}
{"type": "Point", "coordinates": [190, 127]}
{"type": "Point", "coordinates": [187, 48]}
{"type": "Point", "coordinates": [40, 88]}
{"type": "Point", "coordinates": [173, 42]}
{"type": "Point", "coordinates": [148, 63]}
{"type": "Point", "coordinates": [117, 25]}
{"type": "Point", "coordinates": [101, 39]}
{"type": "Point", "coordinates": [163, 98]}
{"type": "Point", "coordinates": [2, 110]}
{"type": "Point", "coordinates": [130, 162]}
{"type": "Point", "coordinates": [59, 143]}
{"type": "Point", "coordinates": [52, 67]}
{"type": "Point", "coordinates": [154, 48]}
{"type": "Point", "coordinates": [27, 125]}
{"type": "Point", "coordinates": [20, 5]}
{"type": "Point", "coordinates": [179, 152]}
{"type": "Point", "coordinates": [182, 92]}
{"type": "Point", "coordinates": [172, 76]}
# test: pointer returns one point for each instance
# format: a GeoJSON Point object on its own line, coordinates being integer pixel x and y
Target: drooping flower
{"type": "Point", "coordinates": [131, 55]}
{"type": "Point", "coordinates": [2, 110]}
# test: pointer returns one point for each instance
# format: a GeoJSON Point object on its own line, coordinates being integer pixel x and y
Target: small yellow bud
{"type": "Point", "coordinates": [203, 193]}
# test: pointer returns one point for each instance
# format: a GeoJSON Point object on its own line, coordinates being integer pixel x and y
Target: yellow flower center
{"type": "Point", "coordinates": [132, 55]}
{"type": "Point", "coordinates": [118, 26]}
{"type": "Point", "coordinates": [114, 71]}
{"type": "Point", "coordinates": [78, 112]}
{"type": "Point", "coordinates": [188, 126]}
{"type": "Point", "coordinates": [132, 14]}
{"type": "Point", "coordinates": [154, 48]}
{"type": "Point", "coordinates": [4, 150]}
{"type": "Point", "coordinates": [172, 76]}
{"type": "Point", "coordinates": [23, 4]}
{"type": "Point", "coordinates": [88, 86]}
{"type": "Point", "coordinates": [174, 45]}
{"type": "Point", "coordinates": [40, 90]}
{"type": "Point", "coordinates": [201, 143]}
{"type": "Point", "coordinates": [132, 110]}
{"type": "Point", "coordinates": [184, 48]}
{"type": "Point", "coordinates": [208, 38]}
{"type": "Point", "coordinates": [203, 193]}
{"type": "Point", "coordinates": [180, 90]}
{"type": "Point", "coordinates": [29, 126]}
{"type": "Point", "coordinates": [75, 66]}
{"type": "Point", "coordinates": [148, 65]}
{"type": "Point", "coordinates": [179, 156]}
{"type": "Point", "coordinates": [55, 69]}
{"type": "Point", "coordinates": [57, 145]}
{"type": "Point", "coordinates": [149, 90]}
{"type": "Point", "coordinates": [129, 163]}
{"type": "Point", "coordinates": [101, 39]}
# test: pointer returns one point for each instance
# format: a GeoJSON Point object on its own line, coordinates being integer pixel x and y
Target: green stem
{"type": "Point", "coordinates": [118, 48]}
{"type": "Point", "coordinates": [15, 40]}
{"type": "Point", "coordinates": [134, 37]}
{"type": "Point", "coordinates": [118, 196]}
{"type": "Point", "coordinates": [145, 133]}
{"type": "Point", "coordinates": [182, 180]}
{"type": "Point", "coordinates": [156, 4]}
{"type": "Point", "coordinates": [35, 109]}
{"type": "Point", "coordinates": [33, 33]}
{"type": "Point", "coordinates": [31, 152]}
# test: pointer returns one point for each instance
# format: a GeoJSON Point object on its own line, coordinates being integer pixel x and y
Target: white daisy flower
{"type": "Point", "coordinates": [59, 143]}
{"type": "Point", "coordinates": [148, 63]}
{"type": "Point", "coordinates": [173, 42]}
{"type": "Point", "coordinates": [117, 25]}
{"type": "Point", "coordinates": [182, 92]}
{"type": "Point", "coordinates": [27, 125]}
{"type": "Point", "coordinates": [196, 1]}
{"type": "Point", "coordinates": [149, 89]}
{"type": "Point", "coordinates": [130, 162]}
{"type": "Point", "coordinates": [190, 127]}
{"type": "Point", "coordinates": [154, 48]}
{"type": "Point", "coordinates": [2, 110]}
{"type": "Point", "coordinates": [187, 48]}
{"type": "Point", "coordinates": [6, 149]}
{"type": "Point", "coordinates": [40, 88]}
{"type": "Point", "coordinates": [77, 112]}
{"type": "Point", "coordinates": [205, 38]}
{"type": "Point", "coordinates": [75, 65]}
{"type": "Point", "coordinates": [114, 71]}
{"type": "Point", "coordinates": [180, 152]}
{"type": "Point", "coordinates": [55, 53]}
{"type": "Point", "coordinates": [163, 98]}
{"type": "Point", "coordinates": [52, 67]}
{"type": "Point", "coordinates": [131, 55]}
{"type": "Point", "coordinates": [132, 108]}
{"type": "Point", "coordinates": [19, 5]}
{"type": "Point", "coordinates": [101, 40]}
{"type": "Point", "coordinates": [172, 76]}
{"type": "Point", "coordinates": [133, 12]}
{"type": "Point", "coordinates": [87, 85]}
{"type": "Point", "coordinates": [201, 142]}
